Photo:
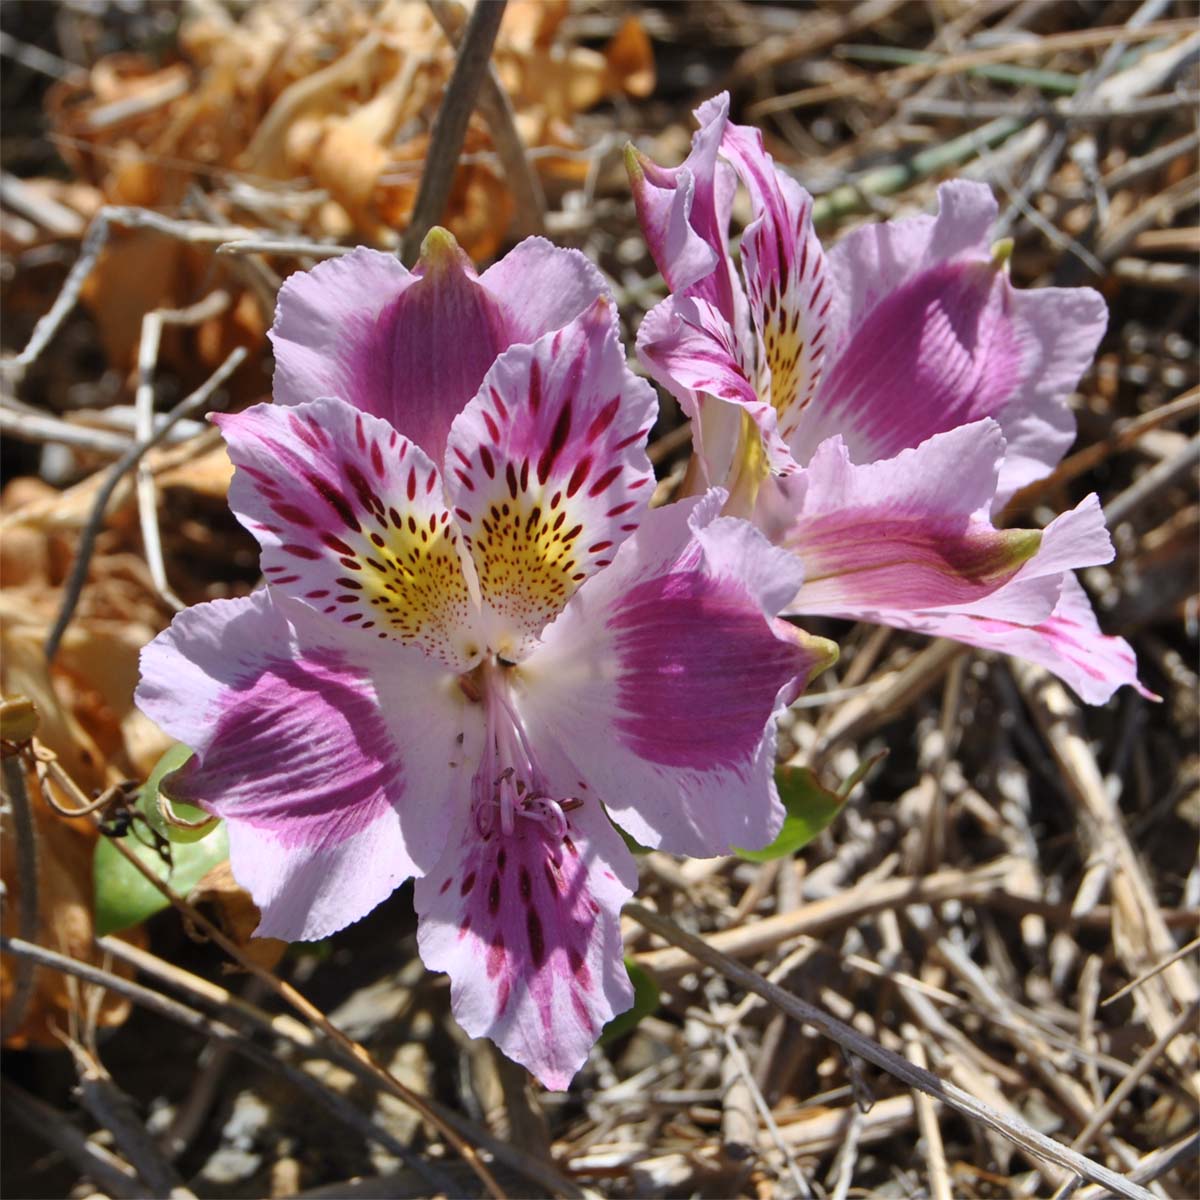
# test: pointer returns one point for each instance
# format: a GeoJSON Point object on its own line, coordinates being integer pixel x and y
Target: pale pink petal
{"type": "Point", "coordinates": [527, 925]}
{"type": "Point", "coordinates": [1059, 330]}
{"type": "Point", "coordinates": [1068, 643]}
{"type": "Point", "coordinates": [684, 214]}
{"type": "Point", "coordinates": [913, 531]}
{"type": "Point", "coordinates": [1075, 539]}
{"type": "Point", "coordinates": [542, 287]}
{"type": "Point", "coordinates": [333, 763]}
{"type": "Point", "coordinates": [547, 472]}
{"type": "Point", "coordinates": [908, 542]}
{"type": "Point", "coordinates": [874, 260]}
{"type": "Point", "coordinates": [656, 691]}
{"type": "Point", "coordinates": [352, 521]}
{"type": "Point", "coordinates": [412, 348]}
{"type": "Point", "coordinates": [323, 317]}
{"type": "Point", "coordinates": [936, 337]}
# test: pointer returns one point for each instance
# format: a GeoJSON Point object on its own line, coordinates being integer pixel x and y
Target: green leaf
{"type": "Point", "coordinates": [634, 847]}
{"type": "Point", "coordinates": [810, 807]}
{"type": "Point", "coordinates": [860, 773]}
{"type": "Point", "coordinates": [158, 783]}
{"type": "Point", "coordinates": [124, 898]}
{"type": "Point", "coordinates": [645, 1001]}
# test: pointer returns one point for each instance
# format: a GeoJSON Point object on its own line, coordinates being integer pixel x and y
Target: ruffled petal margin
{"type": "Point", "coordinates": [1068, 643]}
{"type": "Point", "coordinates": [333, 762]}
{"type": "Point", "coordinates": [935, 336]}
{"type": "Point", "coordinates": [913, 532]}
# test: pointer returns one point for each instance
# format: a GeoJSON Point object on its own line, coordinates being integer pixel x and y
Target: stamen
{"type": "Point", "coordinates": [518, 788]}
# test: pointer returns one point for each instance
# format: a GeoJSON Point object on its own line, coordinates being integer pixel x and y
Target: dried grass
{"type": "Point", "coordinates": [1011, 900]}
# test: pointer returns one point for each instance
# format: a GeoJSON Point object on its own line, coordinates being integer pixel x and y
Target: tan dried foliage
{"type": "Point", "coordinates": [315, 123]}
{"type": "Point", "coordinates": [237, 915]}
{"type": "Point", "coordinates": [86, 717]}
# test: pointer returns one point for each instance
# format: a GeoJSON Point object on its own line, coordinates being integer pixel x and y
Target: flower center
{"type": "Point", "coordinates": [509, 783]}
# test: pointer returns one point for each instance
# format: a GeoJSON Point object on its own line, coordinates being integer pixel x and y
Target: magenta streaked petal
{"type": "Point", "coordinates": [692, 351]}
{"type": "Point", "coordinates": [872, 261]}
{"type": "Point", "coordinates": [792, 300]}
{"type": "Point", "coordinates": [413, 347]}
{"type": "Point", "coordinates": [331, 766]}
{"type": "Point", "coordinates": [938, 352]}
{"type": "Point", "coordinates": [1075, 539]}
{"type": "Point", "coordinates": [907, 533]}
{"type": "Point", "coordinates": [935, 336]}
{"type": "Point", "coordinates": [547, 472]}
{"type": "Point", "coordinates": [1068, 643]}
{"type": "Point", "coordinates": [657, 689]}
{"type": "Point", "coordinates": [352, 521]}
{"type": "Point", "coordinates": [367, 331]}
{"type": "Point", "coordinates": [323, 317]}
{"type": "Point", "coordinates": [527, 925]}
{"type": "Point", "coordinates": [684, 214]}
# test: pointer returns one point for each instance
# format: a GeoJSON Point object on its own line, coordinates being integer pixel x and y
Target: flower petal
{"type": "Point", "coordinates": [874, 260]}
{"type": "Point", "coordinates": [1074, 539]}
{"type": "Point", "coordinates": [413, 347]}
{"type": "Point", "coordinates": [656, 691]}
{"type": "Point", "coordinates": [690, 349]}
{"type": "Point", "coordinates": [323, 319]}
{"type": "Point", "coordinates": [332, 762]}
{"type": "Point", "coordinates": [352, 521]}
{"type": "Point", "coordinates": [787, 279]}
{"type": "Point", "coordinates": [684, 214]}
{"type": "Point", "coordinates": [937, 337]}
{"type": "Point", "coordinates": [547, 472]}
{"type": "Point", "coordinates": [542, 288]}
{"type": "Point", "coordinates": [1068, 643]}
{"type": "Point", "coordinates": [907, 533]}
{"type": "Point", "coordinates": [912, 533]}
{"type": "Point", "coordinates": [527, 925]}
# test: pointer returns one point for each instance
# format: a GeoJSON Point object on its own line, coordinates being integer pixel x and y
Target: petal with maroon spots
{"type": "Point", "coordinates": [787, 279]}
{"type": "Point", "coordinates": [527, 925]}
{"type": "Point", "coordinates": [331, 761]}
{"type": "Point", "coordinates": [657, 689]}
{"type": "Point", "coordinates": [352, 521]}
{"type": "Point", "coordinates": [691, 350]}
{"type": "Point", "coordinates": [936, 336]}
{"type": "Point", "coordinates": [547, 472]}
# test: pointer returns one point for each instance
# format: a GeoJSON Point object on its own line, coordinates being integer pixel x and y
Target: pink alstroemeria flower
{"type": "Point", "coordinates": [876, 407]}
{"type": "Point", "coordinates": [460, 673]}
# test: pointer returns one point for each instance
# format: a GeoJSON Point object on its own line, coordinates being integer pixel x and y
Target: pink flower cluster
{"type": "Point", "coordinates": [479, 647]}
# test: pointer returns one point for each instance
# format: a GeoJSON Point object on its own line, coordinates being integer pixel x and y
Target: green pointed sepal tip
{"type": "Point", "coordinates": [439, 250]}
{"type": "Point", "coordinates": [1002, 254]}
{"type": "Point", "coordinates": [634, 160]}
